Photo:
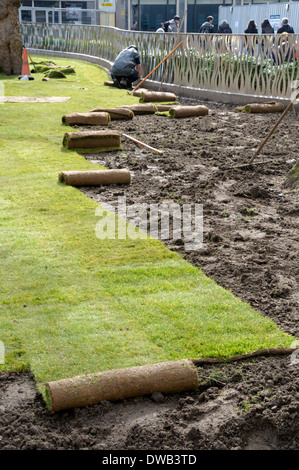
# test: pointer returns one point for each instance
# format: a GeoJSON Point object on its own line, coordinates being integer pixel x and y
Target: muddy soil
{"type": "Point", "coordinates": [250, 246]}
{"type": "Point", "coordinates": [250, 405]}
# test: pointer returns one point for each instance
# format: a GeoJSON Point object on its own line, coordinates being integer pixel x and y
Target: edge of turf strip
{"type": "Point", "coordinates": [73, 304]}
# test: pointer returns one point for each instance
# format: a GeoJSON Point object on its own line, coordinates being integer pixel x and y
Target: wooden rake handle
{"type": "Point", "coordinates": [157, 66]}
{"type": "Point", "coordinates": [272, 130]}
{"type": "Point", "coordinates": [160, 152]}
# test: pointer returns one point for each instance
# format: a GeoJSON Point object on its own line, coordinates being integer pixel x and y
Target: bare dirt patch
{"type": "Point", "coordinates": [251, 404]}
{"type": "Point", "coordinates": [250, 247]}
{"type": "Point", "coordinates": [250, 222]}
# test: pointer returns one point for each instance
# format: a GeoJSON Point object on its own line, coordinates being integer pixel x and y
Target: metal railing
{"type": "Point", "coordinates": [247, 64]}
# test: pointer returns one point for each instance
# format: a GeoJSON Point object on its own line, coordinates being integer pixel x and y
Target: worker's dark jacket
{"type": "Point", "coordinates": [225, 28]}
{"type": "Point", "coordinates": [207, 28]}
{"type": "Point", "coordinates": [125, 63]}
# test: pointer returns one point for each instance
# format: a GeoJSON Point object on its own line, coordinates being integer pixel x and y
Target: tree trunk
{"type": "Point", "coordinates": [11, 45]}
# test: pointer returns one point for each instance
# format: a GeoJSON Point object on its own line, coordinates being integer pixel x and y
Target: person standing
{"type": "Point", "coordinates": [207, 26]}
{"type": "Point", "coordinates": [251, 28]}
{"type": "Point", "coordinates": [250, 44]}
{"type": "Point", "coordinates": [126, 68]}
{"type": "Point", "coordinates": [285, 27]}
{"type": "Point", "coordinates": [266, 27]}
{"type": "Point", "coordinates": [174, 24]}
{"type": "Point", "coordinates": [223, 43]}
{"type": "Point", "coordinates": [224, 28]}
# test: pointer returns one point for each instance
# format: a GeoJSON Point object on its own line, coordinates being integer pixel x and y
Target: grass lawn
{"type": "Point", "coordinates": [74, 304]}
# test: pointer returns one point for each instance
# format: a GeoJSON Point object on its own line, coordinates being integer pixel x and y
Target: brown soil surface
{"type": "Point", "coordinates": [250, 247]}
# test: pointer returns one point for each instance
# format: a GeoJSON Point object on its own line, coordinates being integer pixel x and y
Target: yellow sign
{"type": "Point", "coordinates": [108, 6]}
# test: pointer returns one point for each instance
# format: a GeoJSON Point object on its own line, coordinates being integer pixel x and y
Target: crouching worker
{"type": "Point", "coordinates": [126, 68]}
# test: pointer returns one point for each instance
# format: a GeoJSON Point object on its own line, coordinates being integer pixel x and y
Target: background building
{"type": "Point", "coordinates": [72, 11]}
{"type": "Point", "coordinates": [122, 13]}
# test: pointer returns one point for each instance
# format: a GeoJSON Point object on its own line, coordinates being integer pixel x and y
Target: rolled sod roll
{"type": "Point", "coordinates": [95, 177]}
{"type": "Point", "coordinates": [89, 119]}
{"type": "Point", "coordinates": [186, 111]}
{"type": "Point", "coordinates": [148, 108]}
{"type": "Point", "coordinates": [108, 83]}
{"type": "Point", "coordinates": [149, 96]}
{"type": "Point", "coordinates": [115, 113]}
{"type": "Point", "coordinates": [165, 107]}
{"type": "Point", "coordinates": [83, 390]}
{"type": "Point", "coordinates": [92, 140]}
{"type": "Point", "coordinates": [139, 91]}
{"type": "Point", "coordinates": [272, 107]}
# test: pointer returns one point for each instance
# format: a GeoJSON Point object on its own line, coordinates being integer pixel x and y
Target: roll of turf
{"type": "Point", "coordinates": [150, 96]}
{"type": "Point", "coordinates": [99, 140]}
{"type": "Point", "coordinates": [187, 111]}
{"type": "Point", "coordinates": [271, 107]}
{"type": "Point", "coordinates": [87, 119]}
{"type": "Point", "coordinates": [139, 91]}
{"type": "Point", "coordinates": [115, 113]}
{"type": "Point", "coordinates": [138, 109]}
{"type": "Point", "coordinates": [95, 177]}
{"type": "Point", "coordinates": [165, 107]}
{"type": "Point", "coordinates": [109, 83]}
{"type": "Point", "coordinates": [83, 390]}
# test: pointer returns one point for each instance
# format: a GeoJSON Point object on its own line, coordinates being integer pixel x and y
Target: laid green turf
{"type": "Point", "coordinates": [71, 303]}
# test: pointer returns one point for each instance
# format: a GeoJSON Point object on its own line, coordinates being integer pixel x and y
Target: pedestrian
{"type": "Point", "coordinates": [207, 26]}
{"type": "Point", "coordinates": [173, 25]}
{"type": "Point", "coordinates": [161, 28]}
{"type": "Point", "coordinates": [285, 27]}
{"type": "Point", "coordinates": [224, 44]}
{"type": "Point", "coordinates": [251, 28]}
{"type": "Point", "coordinates": [126, 68]}
{"type": "Point", "coordinates": [266, 27]}
{"type": "Point", "coordinates": [286, 50]}
{"type": "Point", "coordinates": [224, 28]}
{"type": "Point", "coordinates": [134, 27]}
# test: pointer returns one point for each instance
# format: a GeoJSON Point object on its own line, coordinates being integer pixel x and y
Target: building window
{"type": "Point", "coordinates": [50, 4]}
{"type": "Point", "coordinates": [26, 16]}
{"type": "Point", "coordinates": [198, 11]}
{"type": "Point", "coordinates": [151, 13]}
{"type": "Point", "coordinates": [75, 4]}
{"type": "Point", "coordinates": [40, 16]}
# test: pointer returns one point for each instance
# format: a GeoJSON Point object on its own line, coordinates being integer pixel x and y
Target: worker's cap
{"type": "Point", "coordinates": [176, 17]}
{"type": "Point", "coordinates": [133, 46]}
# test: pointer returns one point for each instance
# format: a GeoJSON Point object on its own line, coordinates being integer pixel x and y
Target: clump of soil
{"type": "Point", "coordinates": [249, 405]}
{"type": "Point", "coordinates": [250, 247]}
